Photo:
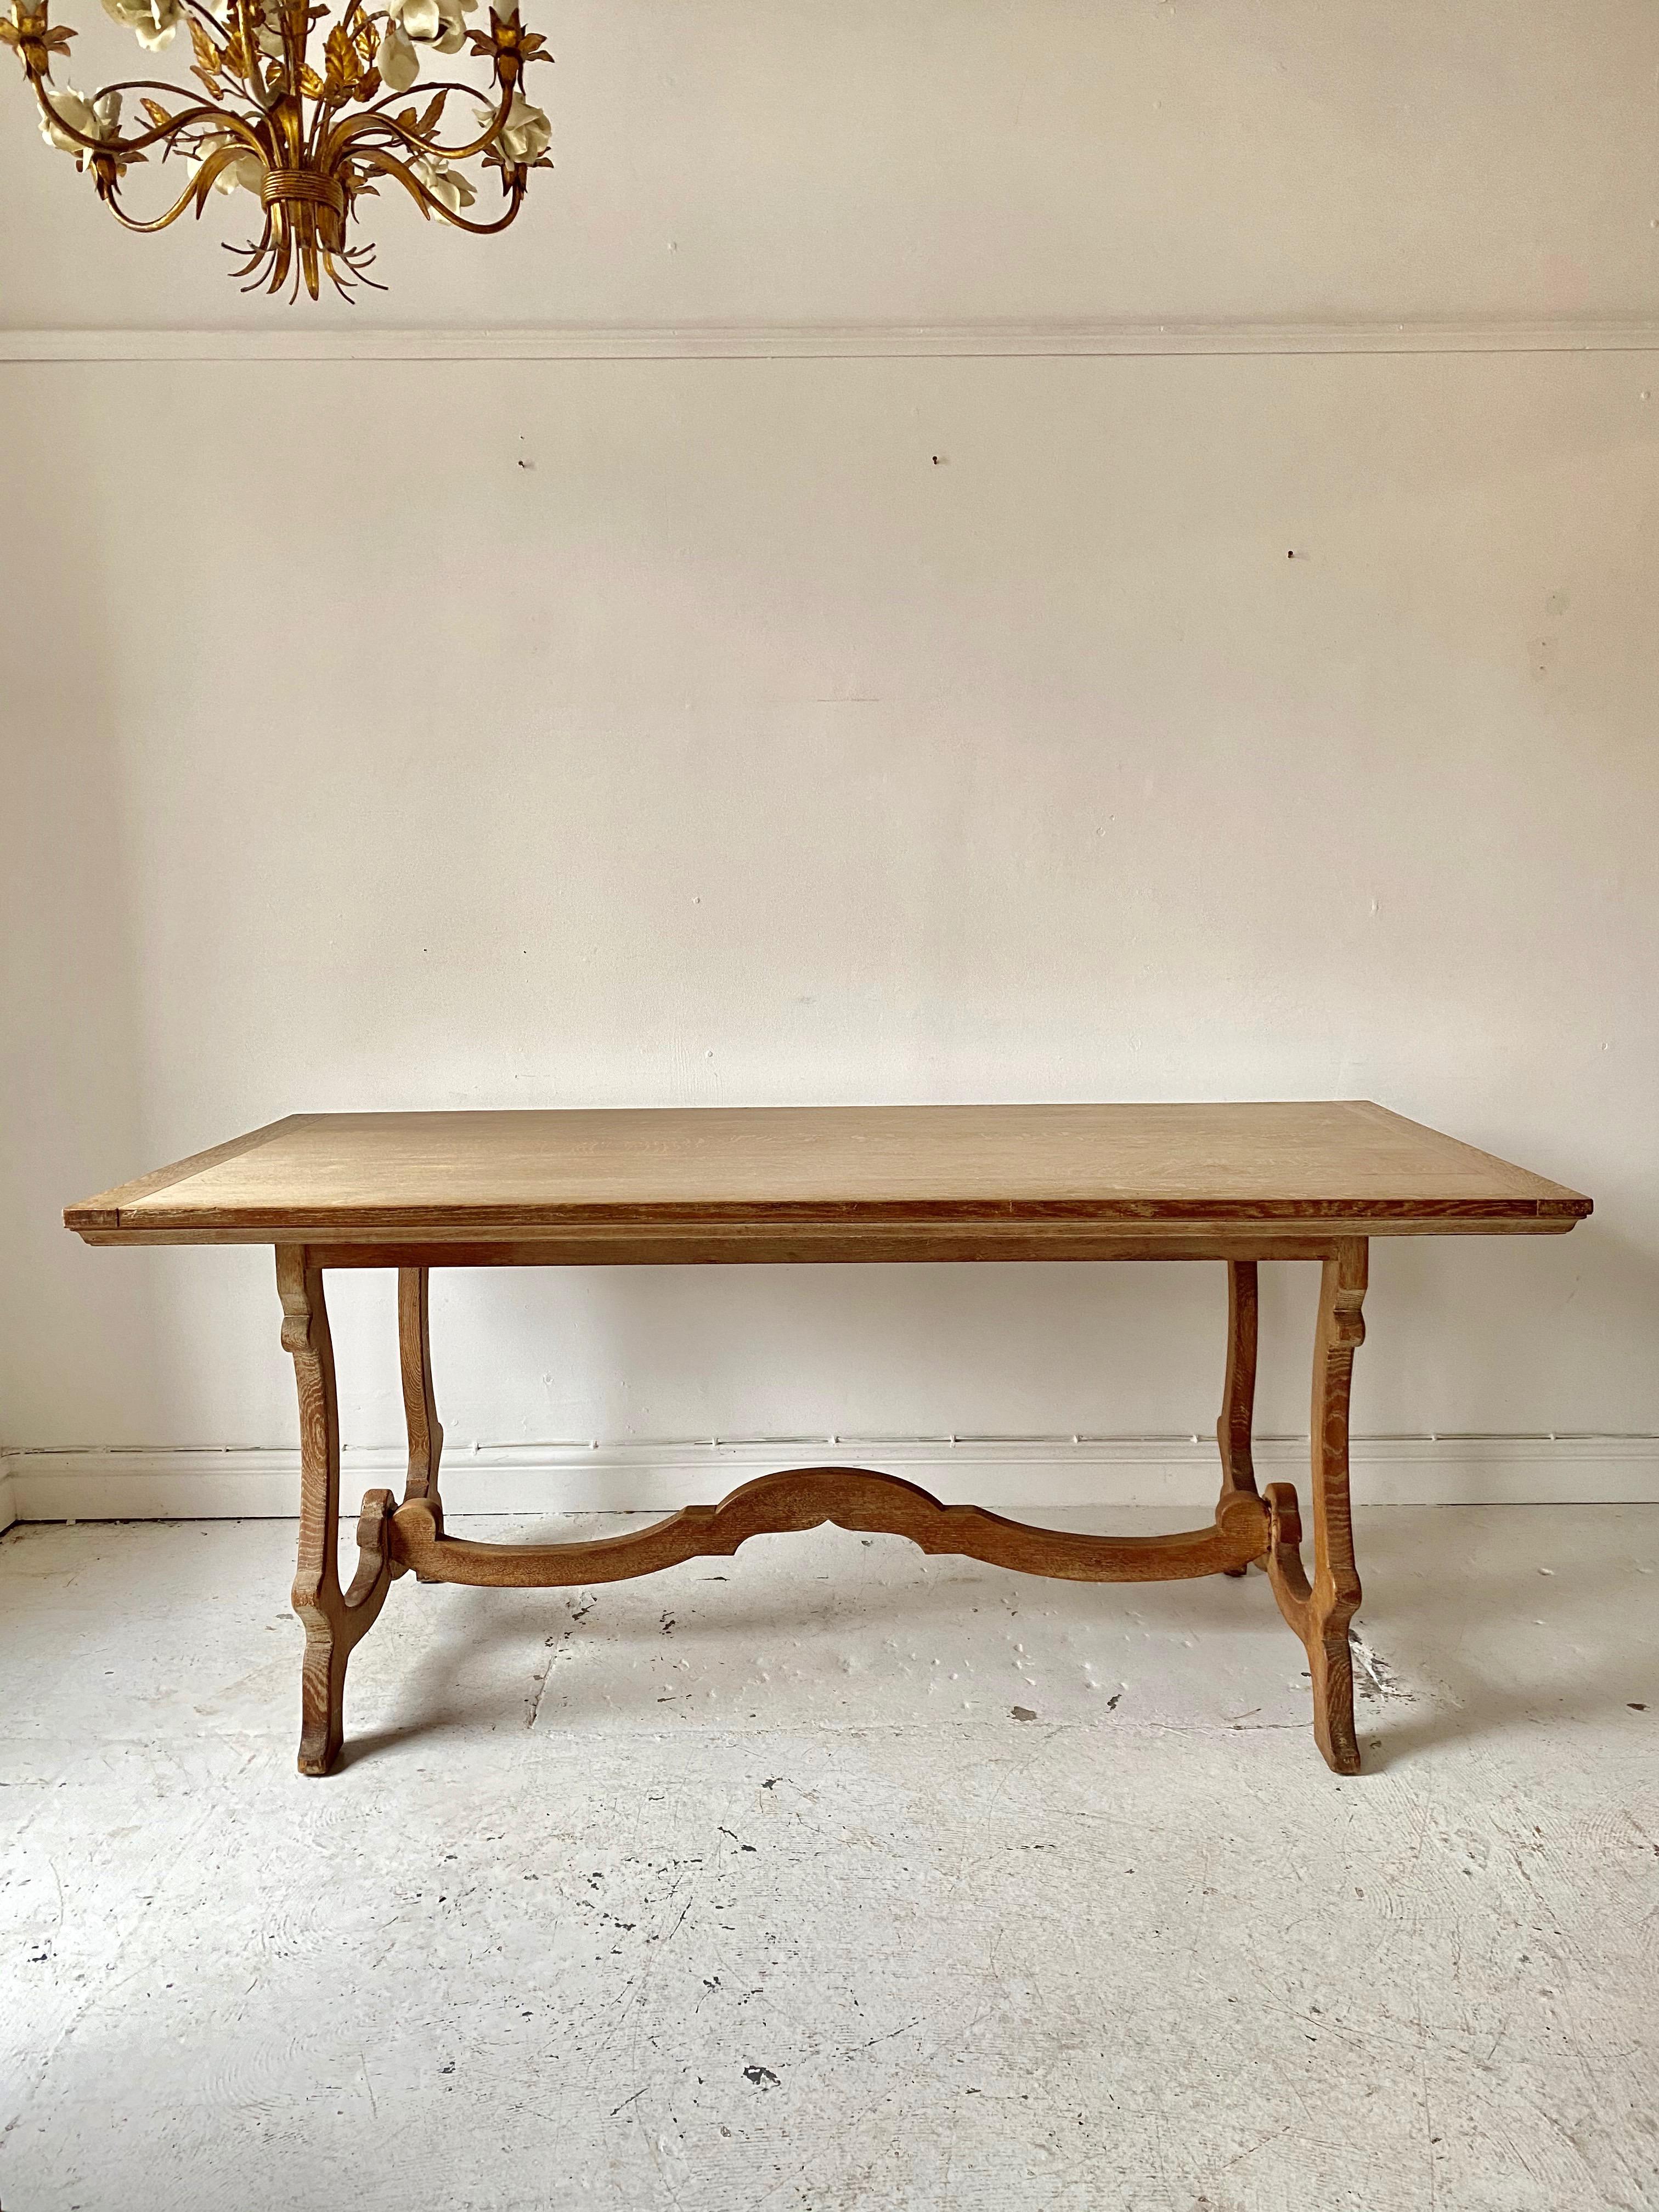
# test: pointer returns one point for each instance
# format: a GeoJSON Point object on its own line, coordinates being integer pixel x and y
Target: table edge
{"type": "Point", "coordinates": [876, 1226]}
{"type": "Point", "coordinates": [103, 1209]}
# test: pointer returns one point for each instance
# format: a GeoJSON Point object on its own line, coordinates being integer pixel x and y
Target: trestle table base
{"type": "Point", "coordinates": [394, 1539]}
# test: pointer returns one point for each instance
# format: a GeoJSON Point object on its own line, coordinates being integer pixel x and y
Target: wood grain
{"type": "Point", "coordinates": [1233, 1428]}
{"type": "Point", "coordinates": [425, 1430]}
{"type": "Point", "coordinates": [334, 1620]}
{"type": "Point", "coordinates": [104, 1211]}
{"type": "Point", "coordinates": [844, 1240]}
{"type": "Point", "coordinates": [1144, 1170]}
{"type": "Point", "coordinates": [857, 1499]}
{"type": "Point", "coordinates": [1320, 1611]}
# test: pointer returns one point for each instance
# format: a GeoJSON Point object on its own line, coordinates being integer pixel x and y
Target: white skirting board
{"type": "Point", "coordinates": [1014, 1476]}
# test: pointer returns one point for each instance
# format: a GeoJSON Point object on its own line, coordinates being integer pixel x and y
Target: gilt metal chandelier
{"type": "Point", "coordinates": [306, 121]}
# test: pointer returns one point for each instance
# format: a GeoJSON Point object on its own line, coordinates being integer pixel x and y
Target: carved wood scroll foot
{"type": "Point", "coordinates": [333, 1630]}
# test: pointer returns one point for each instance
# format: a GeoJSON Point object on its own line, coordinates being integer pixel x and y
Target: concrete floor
{"type": "Point", "coordinates": [831, 1877]}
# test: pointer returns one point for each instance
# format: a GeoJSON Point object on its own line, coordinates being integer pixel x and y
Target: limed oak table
{"type": "Point", "coordinates": [1235, 1184]}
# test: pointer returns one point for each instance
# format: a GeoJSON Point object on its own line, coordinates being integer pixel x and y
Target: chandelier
{"type": "Point", "coordinates": [306, 121]}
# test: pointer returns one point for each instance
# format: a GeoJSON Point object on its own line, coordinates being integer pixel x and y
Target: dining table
{"type": "Point", "coordinates": [1307, 1182]}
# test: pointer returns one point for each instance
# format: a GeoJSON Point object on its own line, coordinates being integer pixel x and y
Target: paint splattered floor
{"type": "Point", "coordinates": [833, 1878]}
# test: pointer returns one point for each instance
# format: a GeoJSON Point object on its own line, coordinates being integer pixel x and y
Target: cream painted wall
{"type": "Point", "coordinates": [507, 732]}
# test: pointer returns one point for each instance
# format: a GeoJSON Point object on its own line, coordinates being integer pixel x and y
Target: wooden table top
{"type": "Point", "coordinates": [455, 1178]}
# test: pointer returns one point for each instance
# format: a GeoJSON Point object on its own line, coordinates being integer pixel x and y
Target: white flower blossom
{"type": "Point", "coordinates": [244, 169]}
{"type": "Point", "coordinates": [267, 33]}
{"type": "Point", "coordinates": [411, 24]}
{"type": "Point", "coordinates": [152, 22]}
{"type": "Point", "coordinates": [526, 134]}
{"type": "Point", "coordinates": [447, 185]}
{"type": "Point", "coordinates": [93, 118]}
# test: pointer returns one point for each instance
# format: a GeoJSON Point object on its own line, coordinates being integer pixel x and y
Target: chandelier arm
{"type": "Point", "coordinates": [442, 84]}
{"type": "Point", "coordinates": [158, 84]}
{"type": "Point", "coordinates": [126, 148]}
{"type": "Point", "coordinates": [345, 134]}
{"type": "Point", "coordinates": [388, 164]}
{"type": "Point", "coordinates": [190, 193]}
{"type": "Point", "coordinates": [400, 136]}
{"type": "Point", "coordinates": [486, 229]}
{"type": "Point", "coordinates": [187, 118]}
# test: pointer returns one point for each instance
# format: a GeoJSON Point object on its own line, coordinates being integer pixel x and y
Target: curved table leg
{"type": "Point", "coordinates": [1320, 1611]}
{"type": "Point", "coordinates": [1232, 1431]}
{"type": "Point", "coordinates": [426, 1431]}
{"type": "Point", "coordinates": [335, 1620]}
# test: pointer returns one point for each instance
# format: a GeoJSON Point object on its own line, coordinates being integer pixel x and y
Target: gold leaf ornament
{"type": "Point", "coordinates": [210, 58]}
{"type": "Point", "coordinates": [34, 39]}
{"type": "Point", "coordinates": [340, 57]}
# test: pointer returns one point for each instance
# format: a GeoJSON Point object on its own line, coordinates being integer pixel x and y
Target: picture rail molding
{"type": "Point", "coordinates": [983, 341]}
